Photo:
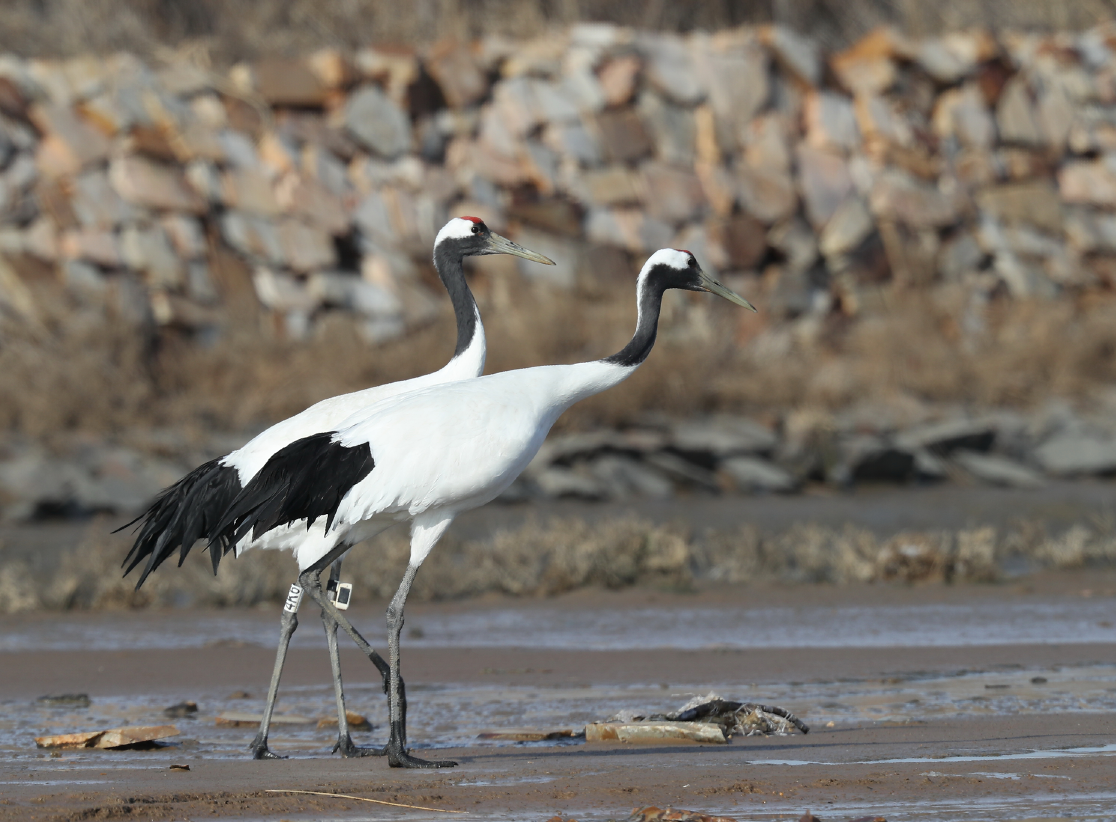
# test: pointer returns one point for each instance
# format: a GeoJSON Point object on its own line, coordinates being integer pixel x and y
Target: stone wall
{"type": "Point", "coordinates": [166, 193]}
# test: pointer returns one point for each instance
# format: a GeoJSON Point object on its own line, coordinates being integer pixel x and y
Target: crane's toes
{"type": "Point", "coordinates": [262, 752]}
{"type": "Point", "coordinates": [402, 759]}
{"type": "Point", "coordinates": [348, 749]}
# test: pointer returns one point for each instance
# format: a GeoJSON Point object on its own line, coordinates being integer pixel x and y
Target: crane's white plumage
{"type": "Point", "coordinates": [428, 455]}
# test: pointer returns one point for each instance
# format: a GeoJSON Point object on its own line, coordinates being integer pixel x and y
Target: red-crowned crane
{"type": "Point", "coordinates": [429, 455]}
{"type": "Point", "coordinates": [187, 511]}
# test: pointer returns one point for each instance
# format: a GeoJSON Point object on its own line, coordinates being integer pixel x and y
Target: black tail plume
{"type": "Point", "coordinates": [302, 481]}
{"type": "Point", "coordinates": [181, 515]}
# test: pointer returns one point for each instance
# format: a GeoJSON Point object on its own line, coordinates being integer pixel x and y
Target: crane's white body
{"type": "Point", "coordinates": [443, 450]}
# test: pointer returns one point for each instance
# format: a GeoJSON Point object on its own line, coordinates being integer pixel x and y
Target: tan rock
{"type": "Point", "coordinates": [144, 182]}
{"type": "Point", "coordinates": [332, 68]}
{"type": "Point", "coordinates": [458, 73]}
{"type": "Point", "coordinates": [649, 731]}
{"type": "Point", "coordinates": [305, 247]}
{"type": "Point", "coordinates": [114, 738]}
{"type": "Point", "coordinates": [767, 142]}
{"type": "Point", "coordinates": [1015, 114]}
{"type": "Point", "coordinates": [674, 195]}
{"type": "Point", "coordinates": [955, 56]}
{"type": "Point", "coordinates": [868, 67]}
{"type": "Point", "coordinates": [247, 189]}
{"type": "Point", "coordinates": [743, 238]}
{"type": "Point", "coordinates": [880, 122]}
{"type": "Point", "coordinates": [92, 244]}
{"type": "Point", "coordinates": [1035, 203]}
{"type": "Point", "coordinates": [1089, 182]}
{"type": "Point", "coordinates": [74, 138]}
{"type": "Point", "coordinates": [736, 77]}
{"type": "Point", "coordinates": [623, 136]}
{"type": "Point", "coordinates": [394, 68]}
{"type": "Point", "coordinates": [899, 196]}
{"type": "Point", "coordinates": [766, 193]}
{"type": "Point", "coordinates": [824, 181]}
{"type": "Point", "coordinates": [849, 226]}
{"type": "Point", "coordinates": [186, 235]}
{"type": "Point", "coordinates": [627, 228]}
{"type": "Point", "coordinates": [720, 186]}
{"type": "Point", "coordinates": [613, 185]}
{"type": "Point", "coordinates": [618, 78]}
{"type": "Point", "coordinates": [830, 121]}
{"type": "Point", "coordinates": [308, 199]}
{"type": "Point", "coordinates": [962, 113]}
{"type": "Point", "coordinates": [1056, 113]}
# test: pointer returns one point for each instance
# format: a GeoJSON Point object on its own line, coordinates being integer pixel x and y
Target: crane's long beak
{"type": "Point", "coordinates": [714, 287]}
{"type": "Point", "coordinates": [502, 245]}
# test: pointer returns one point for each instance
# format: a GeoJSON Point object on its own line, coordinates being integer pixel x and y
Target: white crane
{"type": "Point", "coordinates": [429, 455]}
{"type": "Point", "coordinates": [187, 511]}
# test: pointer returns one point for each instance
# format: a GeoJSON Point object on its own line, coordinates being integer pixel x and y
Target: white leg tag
{"type": "Point", "coordinates": [294, 599]}
{"type": "Point", "coordinates": [344, 595]}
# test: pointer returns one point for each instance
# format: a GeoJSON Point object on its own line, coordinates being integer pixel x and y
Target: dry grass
{"type": "Point", "coordinates": [104, 378]}
{"type": "Point", "coordinates": [543, 559]}
{"type": "Point", "coordinates": [239, 29]}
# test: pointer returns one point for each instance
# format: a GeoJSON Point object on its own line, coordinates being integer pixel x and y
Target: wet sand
{"type": "Point", "coordinates": [929, 729]}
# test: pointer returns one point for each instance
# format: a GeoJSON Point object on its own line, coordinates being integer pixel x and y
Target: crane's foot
{"type": "Point", "coordinates": [399, 758]}
{"type": "Point", "coordinates": [260, 750]}
{"type": "Point", "coordinates": [348, 749]}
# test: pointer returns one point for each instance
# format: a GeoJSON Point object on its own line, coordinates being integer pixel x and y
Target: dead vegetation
{"type": "Point", "coordinates": [84, 375]}
{"type": "Point", "coordinates": [544, 559]}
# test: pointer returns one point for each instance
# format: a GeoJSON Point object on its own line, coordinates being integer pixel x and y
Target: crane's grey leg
{"type": "Point", "coordinates": [287, 625]}
{"type": "Point", "coordinates": [344, 740]}
{"type": "Point", "coordinates": [307, 578]}
{"type": "Point", "coordinates": [397, 743]}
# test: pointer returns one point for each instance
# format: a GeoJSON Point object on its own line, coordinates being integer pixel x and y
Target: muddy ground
{"type": "Point", "coordinates": [928, 736]}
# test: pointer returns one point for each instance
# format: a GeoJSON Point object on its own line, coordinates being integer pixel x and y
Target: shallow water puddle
{"type": "Point", "coordinates": [808, 626]}
{"type": "Point", "coordinates": [1053, 753]}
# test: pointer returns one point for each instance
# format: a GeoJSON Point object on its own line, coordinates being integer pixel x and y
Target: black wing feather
{"type": "Point", "coordinates": [181, 515]}
{"type": "Point", "coordinates": [304, 480]}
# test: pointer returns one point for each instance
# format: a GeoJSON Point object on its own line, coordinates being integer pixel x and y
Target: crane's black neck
{"type": "Point", "coordinates": [650, 301]}
{"type": "Point", "coordinates": [448, 262]}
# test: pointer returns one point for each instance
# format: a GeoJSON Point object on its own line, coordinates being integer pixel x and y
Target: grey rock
{"type": "Point", "coordinates": [283, 293]}
{"type": "Point", "coordinates": [948, 436]}
{"type": "Point", "coordinates": [1015, 114]}
{"type": "Point", "coordinates": [672, 128]}
{"type": "Point", "coordinates": [753, 474]}
{"type": "Point", "coordinates": [255, 236]}
{"type": "Point", "coordinates": [738, 85]}
{"type": "Point", "coordinates": [622, 475]}
{"type": "Point", "coordinates": [720, 437]}
{"type": "Point", "coordinates": [869, 458]}
{"type": "Point", "coordinates": [849, 226]}
{"type": "Point", "coordinates": [674, 195]}
{"type": "Point", "coordinates": [767, 194]}
{"type": "Point", "coordinates": [669, 69]}
{"type": "Point", "coordinates": [998, 470]}
{"type": "Point", "coordinates": [1076, 452]}
{"type": "Point", "coordinates": [558, 482]}
{"type": "Point", "coordinates": [825, 182]}
{"type": "Point", "coordinates": [353, 293]}
{"type": "Point", "coordinates": [796, 53]}
{"type": "Point", "coordinates": [683, 470]}
{"type": "Point", "coordinates": [377, 123]}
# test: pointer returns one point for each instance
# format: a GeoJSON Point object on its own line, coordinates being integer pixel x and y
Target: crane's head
{"type": "Point", "coordinates": [470, 237]}
{"type": "Point", "coordinates": [678, 268]}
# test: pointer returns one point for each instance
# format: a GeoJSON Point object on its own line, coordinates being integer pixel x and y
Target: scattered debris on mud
{"type": "Point", "coordinates": [706, 718]}
{"type": "Point", "coordinates": [181, 710]}
{"type": "Point", "coordinates": [64, 701]}
{"type": "Point", "coordinates": [138, 738]}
